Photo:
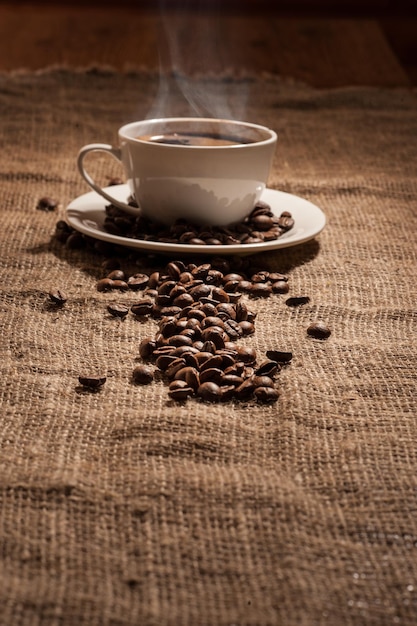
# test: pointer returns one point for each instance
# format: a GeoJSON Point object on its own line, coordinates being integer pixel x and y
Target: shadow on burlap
{"type": "Point", "coordinates": [123, 508]}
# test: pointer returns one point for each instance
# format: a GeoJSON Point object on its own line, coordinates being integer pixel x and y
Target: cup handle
{"type": "Point", "coordinates": [115, 153]}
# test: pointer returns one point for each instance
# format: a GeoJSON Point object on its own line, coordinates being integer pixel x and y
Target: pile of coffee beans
{"type": "Point", "coordinates": [201, 318]}
{"type": "Point", "coordinates": [260, 226]}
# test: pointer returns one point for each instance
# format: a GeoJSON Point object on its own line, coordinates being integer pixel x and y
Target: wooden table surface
{"type": "Point", "coordinates": [322, 51]}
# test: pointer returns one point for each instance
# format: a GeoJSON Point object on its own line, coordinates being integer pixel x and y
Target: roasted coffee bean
{"type": "Point", "coordinates": [285, 222]}
{"type": "Point", "coordinates": [75, 241]}
{"type": "Point", "coordinates": [162, 349]}
{"type": "Point", "coordinates": [231, 379]}
{"type": "Point", "coordinates": [280, 286]}
{"type": "Point", "coordinates": [220, 295]}
{"type": "Point", "coordinates": [175, 366]}
{"type": "Point", "coordinates": [212, 321]}
{"type": "Point", "coordinates": [203, 355]}
{"type": "Point", "coordinates": [168, 327]}
{"type": "Point", "coordinates": [190, 375]}
{"type": "Point", "coordinates": [215, 335]}
{"type": "Point", "coordinates": [138, 282]}
{"type": "Point", "coordinates": [120, 284]}
{"type": "Point", "coordinates": [92, 382]}
{"type": "Point", "coordinates": [179, 390]}
{"type": "Point", "coordinates": [142, 307]}
{"type": "Point", "coordinates": [118, 310]}
{"type": "Point", "coordinates": [147, 347]}
{"type": "Point", "coordinates": [183, 300]}
{"type": "Point", "coordinates": [180, 340]}
{"type": "Point", "coordinates": [233, 329]}
{"type": "Point", "coordinates": [260, 290]}
{"type": "Point", "coordinates": [153, 280]}
{"type": "Point", "coordinates": [169, 311]}
{"type": "Point", "coordinates": [209, 392]}
{"type": "Point", "coordinates": [268, 368]}
{"type": "Point", "coordinates": [247, 328]}
{"type": "Point", "coordinates": [58, 297]}
{"type": "Point", "coordinates": [62, 231]}
{"type": "Point", "coordinates": [214, 360]}
{"type": "Point", "coordinates": [297, 300]}
{"type": "Point", "coordinates": [319, 330]}
{"type": "Point", "coordinates": [279, 356]}
{"type": "Point", "coordinates": [245, 390]}
{"type": "Point", "coordinates": [266, 394]}
{"type": "Point", "coordinates": [47, 204]}
{"type": "Point", "coordinates": [276, 277]}
{"type": "Point", "coordinates": [165, 288]}
{"type": "Point", "coordinates": [246, 354]}
{"type": "Point", "coordinates": [142, 375]}
{"type": "Point", "coordinates": [116, 274]}
{"type": "Point", "coordinates": [260, 277]}
{"type": "Point", "coordinates": [174, 270]}
{"type": "Point", "coordinates": [212, 374]}
{"type": "Point", "coordinates": [164, 361]}
{"type": "Point", "coordinates": [201, 271]}
{"type": "Point", "coordinates": [262, 381]}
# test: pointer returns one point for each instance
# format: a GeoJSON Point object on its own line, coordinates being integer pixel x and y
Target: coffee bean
{"type": "Point", "coordinates": [116, 274]}
{"type": "Point", "coordinates": [121, 285]}
{"type": "Point", "coordinates": [47, 204]}
{"type": "Point", "coordinates": [211, 374]}
{"type": "Point", "coordinates": [209, 392]}
{"type": "Point", "coordinates": [189, 375]}
{"type": "Point", "coordinates": [92, 382]}
{"type": "Point", "coordinates": [279, 356]}
{"type": "Point", "coordinates": [142, 375]}
{"type": "Point", "coordinates": [280, 286]}
{"type": "Point", "coordinates": [262, 381]}
{"type": "Point", "coordinates": [179, 390]}
{"type": "Point", "coordinates": [138, 281]}
{"type": "Point", "coordinates": [319, 330]}
{"type": "Point", "coordinates": [268, 368]}
{"type": "Point", "coordinates": [147, 347]}
{"type": "Point", "coordinates": [266, 394]}
{"type": "Point", "coordinates": [142, 307]}
{"type": "Point", "coordinates": [58, 297]}
{"type": "Point", "coordinates": [245, 390]}
{"type": "Point", "coordinates": [246, 354]}
{"type": "Point", "coordinates": [297, 300]}
{"type": "Point", "coordinates": [118, 310]}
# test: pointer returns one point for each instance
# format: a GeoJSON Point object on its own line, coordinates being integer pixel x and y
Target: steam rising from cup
{"type": "Point", "coordinates": [187, 85]}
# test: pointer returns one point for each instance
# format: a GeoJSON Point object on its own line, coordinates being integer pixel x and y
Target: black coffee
{"type": "Point", "coordinates": [194, 139]}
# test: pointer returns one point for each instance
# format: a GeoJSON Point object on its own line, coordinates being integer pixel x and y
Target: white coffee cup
{"type": "Point", "coordinates": [214, 183]}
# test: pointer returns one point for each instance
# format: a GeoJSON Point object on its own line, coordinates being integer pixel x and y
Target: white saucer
{"type": "Point", "coordinates": [87, 212]}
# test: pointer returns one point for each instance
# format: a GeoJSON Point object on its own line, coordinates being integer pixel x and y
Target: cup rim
{"type": "Point", "coordinates": [124, 132]}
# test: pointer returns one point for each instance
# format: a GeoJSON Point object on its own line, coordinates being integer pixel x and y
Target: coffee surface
{"type": "Point", "coordinates": [194, 139]}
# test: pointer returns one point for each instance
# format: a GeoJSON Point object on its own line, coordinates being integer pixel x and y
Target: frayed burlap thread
{"type": "Point", "coordinates": [122, 508]}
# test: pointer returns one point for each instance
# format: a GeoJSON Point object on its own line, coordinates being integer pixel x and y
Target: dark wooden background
{"type": "Point", "coordinates": [322, 42]}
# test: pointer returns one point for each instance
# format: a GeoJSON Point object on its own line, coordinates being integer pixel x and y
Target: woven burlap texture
{"type": "Point", "coordinates": [121, 508]}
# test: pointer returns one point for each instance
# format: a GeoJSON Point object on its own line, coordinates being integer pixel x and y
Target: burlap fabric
{"type": "Point", "coordinates": [123, 508]}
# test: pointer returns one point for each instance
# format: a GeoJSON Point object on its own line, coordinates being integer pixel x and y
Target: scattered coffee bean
{"type": "Point", "coordinates": [297, 300]}
{"type": "Point", "coordinates": [142, 375]}
{"type": "Point", "coordinates": [319, 330]}
{"type": "Point", "coordinates": [279, 356]}
{"type": "Point", "coordinates": [92, 382]}
{"type": "Point", "coordinates": [147, 347]}
{"type": "Point", "coordinates": [209, 392]}
{"type": "Point", "coordinates": [47, 204]}
{"type": "Point", "coordinates": [118, 310]}
{"type": "Point", "coordinates": [142, 307]}
{"type": "Point", "coordinates": [266, 394]}
{"type": "Point", "coordinates": [105, 284]}
{"type": "Point", "coordinates": [58, 297]}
